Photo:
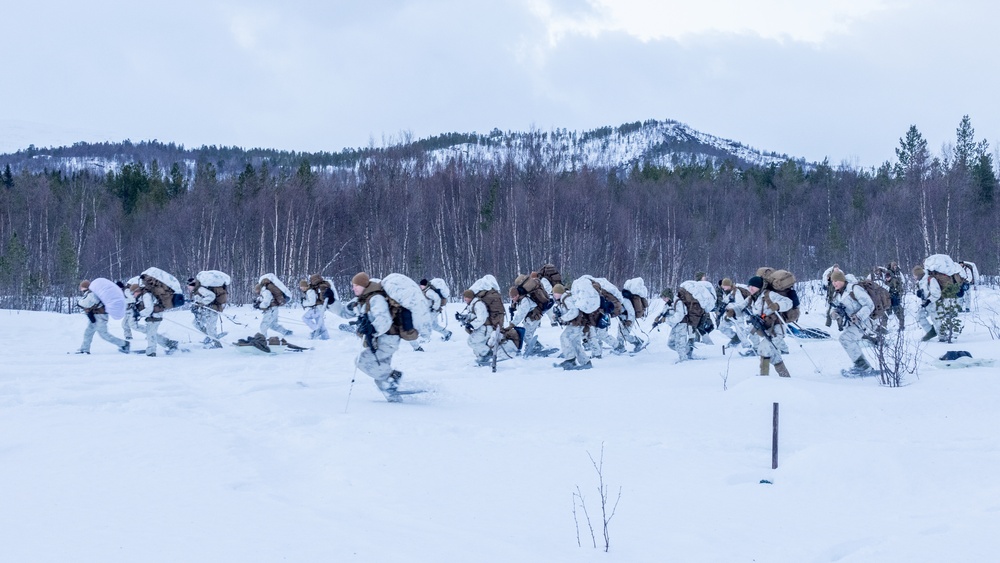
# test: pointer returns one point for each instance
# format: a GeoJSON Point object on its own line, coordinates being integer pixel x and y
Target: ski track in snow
{"type": "Point", "coordinates": [224, 455]}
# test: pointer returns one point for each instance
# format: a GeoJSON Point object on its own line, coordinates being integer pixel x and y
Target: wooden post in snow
{"type": "Point", "coordinates": [774, 438]}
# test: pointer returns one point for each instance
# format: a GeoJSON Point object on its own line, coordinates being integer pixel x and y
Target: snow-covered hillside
{"type": "Point", "coordinates": [660, 143]}
{"type": "Point", "coordinates": [224, 455]}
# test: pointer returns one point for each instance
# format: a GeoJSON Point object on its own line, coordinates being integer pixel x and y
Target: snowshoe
{"type": "Point", "coordinates": [571, 365]}
{"type": "Point", "coordinates": [859, 372]}
{"type": "Point", "coordinates": [545, 352]}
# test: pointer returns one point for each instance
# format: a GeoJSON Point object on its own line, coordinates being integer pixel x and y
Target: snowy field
{"type": "Point", "coordinates": [227, 455]}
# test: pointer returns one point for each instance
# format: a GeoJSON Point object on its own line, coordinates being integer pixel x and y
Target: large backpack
{"type": "Point", "coordinates": [532, 287]}
{"type": "Point", "coordinates": [325, 295]}
{"type": "Point", "coordinates": [945, 270]}
{"type": "Point", "coordinates": [487, 290]}
{"type": "Point", "coordinates": [164, 287]}
{"type": "Point", "coordinates": [550, 273]}
{"type": "Point", "coordinates": [610, 304]}
{"type": "Point", "coordinates": [494, 307]}
{"type": "Point", "coordinates": [782, 282]}
{"type": "Point", "coordinates": [279, 291]}
{"type": "Point", "coordinates": [694, 309]}
{"type": "Point", "coordinates": [218, 283]}
{"type": "Point", "coordinates": [880, 297]}
{"type": "Point", "coordinates": [407, 306]}
{"type": "Point", "coordinates": [438, 286]}
{"type": "Point", "coordinates": [611, 297]}
{"type": "Point", "coordinates": [635, 291]}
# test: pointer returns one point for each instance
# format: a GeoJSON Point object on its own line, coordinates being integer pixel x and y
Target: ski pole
{"type": "Point", "coordinates": [780, 318]}
{"type": "Point", "coordinates": [192, 329]}
{"type": "Point", "coordinates": [351, 388]}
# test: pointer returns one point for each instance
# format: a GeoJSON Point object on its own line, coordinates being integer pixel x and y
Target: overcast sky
{"type": "Point", "coordinates": [837, 79]}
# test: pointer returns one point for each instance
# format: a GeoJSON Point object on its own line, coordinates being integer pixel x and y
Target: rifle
{"type": "Point", "coordinates": [758, 323]}
{"type": "Point", "coordinates": [660, 319]}
{"type": "Point", "coordinates": [843, 319]}
{"type": "Point", "coordinates": [366, 330]}
{"type": "Point", "coordinates": [465, 320]}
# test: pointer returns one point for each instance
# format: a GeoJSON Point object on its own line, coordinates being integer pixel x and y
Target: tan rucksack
{"type": "Point", "coordinates": [324, 292]}
{"type": "Point", "coordinates": [276, 294]}
{"type": "Point", "coordinates": [944, 280]}
{"type": "Point", "coordinates": [880, 297]}
{"type": "Point", "coordinates": [494, 306]}
{"type": "Point", "coordinates": [609, 303]}
{"type": "Point", "coordinates": [640, 304]}
{"type": "Point", "coordinates": [221, 297]}
{"type": "Point", "coordinates": [550, 273]}
{"type": "Point", "coordinates": [533, 289]}
{"type": "Point", "coordinates": [162, 292]}
{"type": "Point", "coordinates": [694, 309]}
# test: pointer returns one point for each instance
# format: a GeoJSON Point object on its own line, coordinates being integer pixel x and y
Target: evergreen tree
{"type": "Point", "coordinates": [984, 180]}
{"type": "Point", "coordinates": [67, 264]}
{"type": "Point", "coordinates": [176, 186]}
{"type": "Point", "coordinates": [8, 177]}
{"type": "Point", "coordinates": [913, 155]}
{"type": "Point", "coordinates": [965, 144]}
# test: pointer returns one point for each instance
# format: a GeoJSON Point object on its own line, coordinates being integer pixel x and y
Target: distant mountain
{"type": "Point", "coordinates": [660, 143]}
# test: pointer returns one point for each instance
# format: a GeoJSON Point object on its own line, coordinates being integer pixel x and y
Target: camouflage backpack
{"type": "Point", "coordinates": [494, 306]}
{"type": "Point", "coordinates": [879, 296]}
{"type": "Point", "coordinates": [549, 272]}
{"type": "Point", "coordinates": [694, 309]}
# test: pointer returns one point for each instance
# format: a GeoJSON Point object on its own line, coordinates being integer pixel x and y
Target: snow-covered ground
{"type": "Point", "coordinates": [225, 455]}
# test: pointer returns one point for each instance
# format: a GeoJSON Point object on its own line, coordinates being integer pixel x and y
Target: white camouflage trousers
{"type": "Point", "coordinates": [681, 340]}
{"type": "Point", "coordinates": [99, 326]}
{"type": "Point", "coordinates": [206, 320]}
{"type": "Point", "coordinates": [153, 336]}
{"type": "Point", "coordinates": [315, 319]}
{"type": "Point", "coordinates": [479, 341]}
{"type": "Point", "coordinates": [731, 327]}
{"type": "Point", "coordinates": [598, 338]}
{"type": "Point", "coordinates": [571, 342]}
{"type": "Point", "coordinates": [851, 338]}
{"type": "Point", "coordinates": [628, 331]}
{"type": "Point", "coordinates": [965, 301]}
{"type": "Point", "coordinates": [269, 321]}
{"type": "Point", "coordinates": [128, 322]}
{"type": "Point", "coordinates": [772, 348]}
{"type": "Point", "coordinates": [530, 340]}
{"type": "Point", "coordinates": [436, 326]}
{"type": "Point", "coordinates": [377, 363]}
{"type": "Point", "coordinates": [928, 318]}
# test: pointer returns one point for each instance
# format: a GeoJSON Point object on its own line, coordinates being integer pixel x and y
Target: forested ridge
{"type": "Point", "coordinates": [463, 216]}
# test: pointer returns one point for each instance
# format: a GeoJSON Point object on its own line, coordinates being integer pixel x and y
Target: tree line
{"type": "Point", "coordinates": [463, 217]}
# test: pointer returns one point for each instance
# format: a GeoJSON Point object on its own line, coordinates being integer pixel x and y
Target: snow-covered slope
{"type": "Point", "coordinates": [222, 455]}
{"type": "Point", "coordinates": [660, 143]}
